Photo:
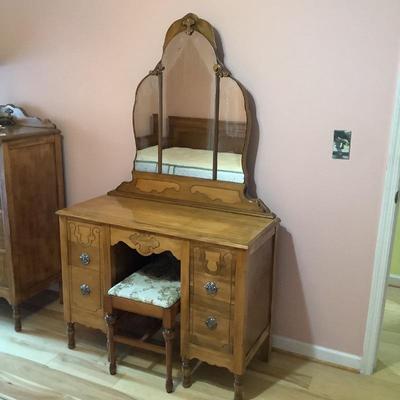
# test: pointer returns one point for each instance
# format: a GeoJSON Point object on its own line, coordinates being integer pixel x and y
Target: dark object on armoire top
{"type": "Point", "coordinates": [31, 191]}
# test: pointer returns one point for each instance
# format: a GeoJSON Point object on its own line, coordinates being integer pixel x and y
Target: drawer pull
{"type": "Point", "coordinates": [211, 288]}
{"type": "Point", "coordinates": [85, 258]}
{"type": "Point", "coordinates": [85, 289]}
{"type": "Point", "coordinates": [211, 323]}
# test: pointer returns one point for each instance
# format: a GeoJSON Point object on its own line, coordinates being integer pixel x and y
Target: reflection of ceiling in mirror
{"type": "Point", "coordinates": [196, 45]}
{"type": "Point", "coordinates": [146, 104]}
{"type": "Point", "coordinates": [189, 79]}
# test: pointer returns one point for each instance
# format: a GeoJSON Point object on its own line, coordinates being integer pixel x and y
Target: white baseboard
{"type": "Point", "coordinates": [318, 352]}
{"type": "Point", "coordinates": [394, 280]}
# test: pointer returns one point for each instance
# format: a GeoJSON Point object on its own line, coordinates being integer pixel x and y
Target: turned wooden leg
{"type": "Point", "coordinates": [17, 318]}
{"type": "Point", "coordinates": [111, 319]}
{"type": "Point", "coordinates": [187, 373]}
{"type": "Point", "coordinates": [71, 335]}
{"type": "Point", "coordinates": [238, 387]}
{"type": "Point", "coordinates": [169, 335]}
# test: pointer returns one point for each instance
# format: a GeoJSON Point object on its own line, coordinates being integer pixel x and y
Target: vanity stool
{"type": "Point", "coordinates": [152, 291]}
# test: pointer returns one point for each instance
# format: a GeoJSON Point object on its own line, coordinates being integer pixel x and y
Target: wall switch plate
{"type": "Point", "coordinates": [341, 145]}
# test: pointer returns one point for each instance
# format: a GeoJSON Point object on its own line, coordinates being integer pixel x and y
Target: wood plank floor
{"type": "Point", "coordinates": [36, 364]}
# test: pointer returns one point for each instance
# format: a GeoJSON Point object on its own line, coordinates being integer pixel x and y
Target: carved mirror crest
{"type": "Point", "coordinates": [191, 119]}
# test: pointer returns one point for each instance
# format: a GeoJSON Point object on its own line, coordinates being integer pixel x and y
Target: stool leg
{"type": "Point", "coordinates": [187, 373]}
{"type": "Point", "coordinates": [17, 318]}
{"type": "Point", "coordinates": [169, 335]}
{"type": "Point", "coordinates": [71, 335]}
{"type": "Point", "coordinates": [111, 319]}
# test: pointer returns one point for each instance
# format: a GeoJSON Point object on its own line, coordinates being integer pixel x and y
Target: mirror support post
{"type": "Point", "coordinates": [216, 128]}
{"type": "Point", "coordinates": [160, 120]}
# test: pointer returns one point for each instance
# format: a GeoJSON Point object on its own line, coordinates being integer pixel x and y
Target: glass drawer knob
{"type": "Point", "coordinates": [85, 258]}
{"type": "Point", "coordinates": [211, 288]}
{"type": "Point", "coordinates": [85, 289]}
{"type": "Point", "coordinates": [211, 323]}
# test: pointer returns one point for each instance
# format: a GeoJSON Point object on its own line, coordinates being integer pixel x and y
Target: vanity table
{"type": "Point", "coordinates": [187, 196]}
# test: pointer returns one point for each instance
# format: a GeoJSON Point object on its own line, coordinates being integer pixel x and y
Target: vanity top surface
{"type": "Point", "coordinates": [212, 226]}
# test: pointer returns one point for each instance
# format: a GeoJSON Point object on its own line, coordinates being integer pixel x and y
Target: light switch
{"type": "Point", "coordinates": [341, 145]}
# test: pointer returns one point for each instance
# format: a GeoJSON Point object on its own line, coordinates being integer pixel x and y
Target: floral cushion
{"type": "Point", "coordinates": [152, 284]}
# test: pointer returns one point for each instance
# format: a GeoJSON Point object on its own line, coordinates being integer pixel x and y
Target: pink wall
{"type": "Point", "coordinates": [312, 66]}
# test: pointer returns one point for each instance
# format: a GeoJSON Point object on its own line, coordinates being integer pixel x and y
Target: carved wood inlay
{"type": "Point", "coordinates": [212, 260]}
{"type": "Point", "coordinates": [148, 186]}
{"type": "Point", "coordinates": [144, 243]}
{"type": "Point", "coordinates": [84, 235]}
{"type": "Point", "coordinates": [226, 196]}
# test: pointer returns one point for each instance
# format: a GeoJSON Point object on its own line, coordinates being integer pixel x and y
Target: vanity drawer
{"type": "Point", "coordinates": [212, 288]}
{"type": "Point", "coordinates": [212, 273]}
{"type": "Point", "coordinates": [84, 245]}
{"type": "Point", "coordinates": [212, 260]}
{"type": "Point", "coordinates": [85, 289]}
{"type": "Point", "coordinates": [210, 330]}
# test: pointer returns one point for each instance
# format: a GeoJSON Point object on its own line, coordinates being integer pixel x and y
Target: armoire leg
{"type": "Point", "coordinates": [238, 387]}
{"type": "Point", "coordinates": [264, 353]}
{"type": "Point", "coordinates": [187, 373]}
{"type": "Point", "coordinates": [17, 318]}
{"type": "Point", "coordinates": [71, 335]}
{"type": "Point", "coordinates": [111, 319]}
{"type": "Point", "coordinates": [169, 335]}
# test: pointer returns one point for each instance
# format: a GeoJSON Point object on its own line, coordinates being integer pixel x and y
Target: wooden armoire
{"type": "Point", "coordinates": [31, 190]}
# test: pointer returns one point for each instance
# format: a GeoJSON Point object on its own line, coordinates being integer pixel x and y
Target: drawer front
{"type": "Point", "coordinates": [85, 289]}
{"type": "Point", "coordinates": [146, 243]}
{"type": "Point", "coordinates": [212, 274]}
{"type": "Point", "coordinates": [211, 292]}
{"type": "Point", "coordinates": [84, 245]}
{"type": "Point", "coordinates": [212, 288]}
{"type": "Point", "coordinates": [210, 330]}
{"type": "Point", "coordinates": [212, 260]}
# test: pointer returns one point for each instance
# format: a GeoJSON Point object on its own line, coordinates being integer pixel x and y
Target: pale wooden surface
{"type": "Point", "coordinates": [184, 222]}
{"type": "Point", "coordinates": [36, 364]}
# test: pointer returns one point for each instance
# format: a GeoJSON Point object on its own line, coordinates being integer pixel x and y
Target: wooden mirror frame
{"type": "Point", "coordinates": [191, 191]}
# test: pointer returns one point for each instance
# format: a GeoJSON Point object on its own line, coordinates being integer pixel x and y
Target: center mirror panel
{"type": "Point", "coordinates": [188, 111]}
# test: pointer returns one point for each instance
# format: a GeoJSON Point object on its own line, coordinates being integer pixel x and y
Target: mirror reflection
{"type": "Point", "coordinates": [232, 131]}
{"type": "Point", "coordinates": [145, 124]}
{"type": "Point", "coordinates": [198, 114]}
{"type": "Point", "coordinates": [188, 106]}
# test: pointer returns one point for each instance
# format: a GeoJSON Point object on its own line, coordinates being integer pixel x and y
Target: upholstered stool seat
{"type": "Point", "coordinates": [152, 291]}
{"type": "Point", "coordinates": [150, 285]}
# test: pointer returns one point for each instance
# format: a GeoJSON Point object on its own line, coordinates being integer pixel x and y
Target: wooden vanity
{"type": "Point", "coordinates": [225, 241]}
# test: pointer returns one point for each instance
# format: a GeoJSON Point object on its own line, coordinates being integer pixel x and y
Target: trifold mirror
{"type": "Point", "coordinates": [191, 121]}
{"type": "Point", "coordinates": [190, 117]}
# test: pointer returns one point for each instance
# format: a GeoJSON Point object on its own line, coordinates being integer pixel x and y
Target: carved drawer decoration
{"type": "Point", "coordinates": [144, 243]}
{"type": "Point", "coordinates": [213, 261]}
{"type": "Point", "coordinates": [147, 243]}
{"type": "Point", "coordinates": [84, 245]}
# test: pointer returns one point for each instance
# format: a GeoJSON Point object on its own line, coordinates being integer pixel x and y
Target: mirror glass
{"type": "Point", "coordinates": [190, 116]}
{"type": "Point", "coordinates": [145, 124]}
{"type": "Point", "coordinates": [188, 106]}
{"type": "Point", "coordinates": [231, 131]}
